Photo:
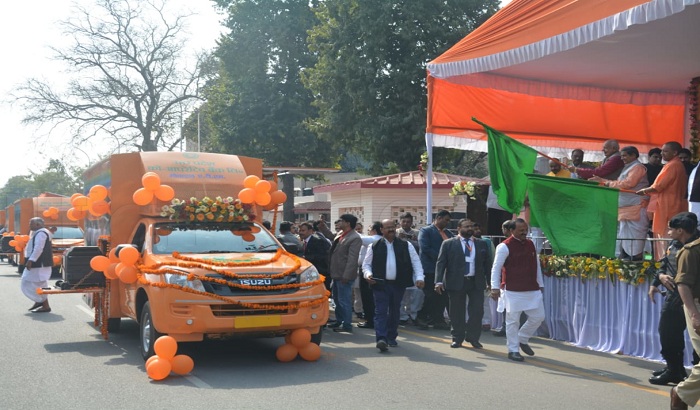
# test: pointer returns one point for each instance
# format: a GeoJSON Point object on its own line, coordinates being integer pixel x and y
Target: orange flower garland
{"type": "Point", "coordinates": [163, 268]}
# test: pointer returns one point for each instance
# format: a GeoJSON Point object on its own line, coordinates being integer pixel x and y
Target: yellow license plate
{"type": "Point", "coordinates": [244, 322]}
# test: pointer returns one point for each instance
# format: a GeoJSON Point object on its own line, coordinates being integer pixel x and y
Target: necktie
{"type": "Point", "coordinates": [467, 252]}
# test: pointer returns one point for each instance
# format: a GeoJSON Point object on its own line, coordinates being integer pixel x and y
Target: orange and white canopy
{"type": "Point", "coordinates": [563, 74]}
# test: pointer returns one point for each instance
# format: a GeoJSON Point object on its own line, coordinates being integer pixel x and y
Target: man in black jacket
{"type": "Point", "coordinates": [315, 250]}
{"type": "Point", "coordinates": [672, 324]}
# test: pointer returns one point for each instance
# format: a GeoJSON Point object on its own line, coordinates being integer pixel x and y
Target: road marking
{"type": "Point", "coordinates": [86, 310]}
{"type": "Point", "coordinates": [198, 382]}
{"type": "Point", "coordinates": [542, 363]}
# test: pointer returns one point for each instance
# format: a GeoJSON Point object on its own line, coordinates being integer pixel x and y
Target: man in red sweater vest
{"type": "Point", "coordinates": [521, 286]}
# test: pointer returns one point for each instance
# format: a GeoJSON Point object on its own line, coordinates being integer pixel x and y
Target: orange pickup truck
{"type": "Point", "coordinates": [199, 276]}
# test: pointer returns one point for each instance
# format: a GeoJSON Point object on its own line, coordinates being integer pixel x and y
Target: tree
{"type": "Point", "coordinates": [126, 81]}
{"type": "Point", "coordinates": [258, 105]}
{"type": "Point", "coordinates": [369, 80]}
{"type": "Point", "coordinates": [56, 178]}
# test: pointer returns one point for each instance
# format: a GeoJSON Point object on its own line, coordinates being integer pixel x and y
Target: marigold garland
{"type": "Point", "coordinates": [189, 262]}
{"type": "Point", "coordinates": [588, 268]}
{"type": "Point", "coordinates": [693, 115]}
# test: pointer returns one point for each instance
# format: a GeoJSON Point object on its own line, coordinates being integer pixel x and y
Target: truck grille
{"type": "Point", "coordinates": [237, 310]}
{"type": "Point", "coordinates": [224, 290]}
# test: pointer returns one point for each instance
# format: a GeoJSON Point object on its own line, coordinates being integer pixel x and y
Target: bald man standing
{"type": "Point", "coordinates": [610, 168]}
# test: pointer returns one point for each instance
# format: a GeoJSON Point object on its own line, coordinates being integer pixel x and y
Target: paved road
{"type": "Point", "coordinates": [59, 360]}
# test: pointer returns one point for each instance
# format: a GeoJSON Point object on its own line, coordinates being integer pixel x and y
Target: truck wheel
{"type": "Point", "coordinates": [149, 334]}
{"type": "Point", "coordinates": [113, 324]}
{"type": "Point", "coordinates": [316, 338]}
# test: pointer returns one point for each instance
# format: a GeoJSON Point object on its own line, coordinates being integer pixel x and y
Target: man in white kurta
{"type": "Point", "coordinates": [516, 277]}
{"type": "Point", "coordinates": [37, 269]}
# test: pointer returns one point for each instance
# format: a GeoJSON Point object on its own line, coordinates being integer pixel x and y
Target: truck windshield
{"type": "Point", "coordinates": [211, 238]}
{"type": "Point", "coordinates": [68, 232]}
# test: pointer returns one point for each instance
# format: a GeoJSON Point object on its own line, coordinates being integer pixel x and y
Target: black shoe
{"type": "Point", "coordinates": [475, 344]}
{"type": "Point", "coordinates": [360, 315]}
{"type": "Point", "coordinates": [500, 333]}
{"type": "Point", "coordinates": [441, 326]}
{"type": "Point", "coordinates": [658, 372]}
{"type": "Point", "coordinates": [382, 345]}
{"type": "Point", "coordinates": [334, 325]}
{"type": "Point", "coordinates": [527, 349]}
{"type": "Point", "coordinates": [403, 322]}
{"type": "Point", "coordinates": [515, 356]}
{"type": "Point", "coordinates": [342, 330]}
{"type": "Point", "coordinates": [667, 377]}
{"type": "Point", "coordinates": [365, 325]}
{"type": "Point", "coordinates": [456, 345]}
{"type": "Point", "coordinates": [36, 305]}
{"type": "Point", "coordinates": [393, 343]}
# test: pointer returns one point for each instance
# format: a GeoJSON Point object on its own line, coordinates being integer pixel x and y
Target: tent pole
{"type": "Point", "coordinates": [429, 180]}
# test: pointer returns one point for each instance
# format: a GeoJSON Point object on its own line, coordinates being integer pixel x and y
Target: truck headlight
{"type": "Point", "coordinates": [181, 280]}
{"type": "Point", "coordinates": [309, 275]}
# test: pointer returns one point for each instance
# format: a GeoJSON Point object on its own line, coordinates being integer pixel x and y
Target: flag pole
{"type": "Point", "coordinates": [548, 157]}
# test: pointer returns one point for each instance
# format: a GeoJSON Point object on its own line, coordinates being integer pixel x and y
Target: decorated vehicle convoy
{"type": "Point", "coordinates": [184, 255]}
{"type": "Point", "coordinates": [66, 232]}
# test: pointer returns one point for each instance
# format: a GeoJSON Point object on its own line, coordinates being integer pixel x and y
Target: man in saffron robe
{"type": "Point", "coordinates": [667, 194]}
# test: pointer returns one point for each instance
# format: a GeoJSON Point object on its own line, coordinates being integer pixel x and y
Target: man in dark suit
{"type": "Point", "coordinates": [429, 239]}
{"type": "Point", "coordinates": [315, 250]}
{"type": "Point", "coordinates": [464, 269]}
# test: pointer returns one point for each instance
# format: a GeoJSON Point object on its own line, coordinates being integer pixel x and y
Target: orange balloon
{"type": "Point", "coordinates": [46, 213]}
{"type": "Point", "coordinates": [81, 203]}
{"type": "Point", "coordinates": [57, 260]}
{"type": "Point", "coordinates": [262, 198]}
{"type": "Point", "coordinates": [262, 186]}
{"type": "Point", "coordinates": [127, 274]}
{"type": "Point", "coordinates": [286, 353]}
{"type": "Point", "coordinates": [165, 193]}
{"type": "Point", "coordinates": [150, 359]}
{"type": "Point", "coordinates": [75, 195]}
{"type": "Point", "coordinates": [311, 352]}
{"type": "Point", "coordinates": [128, 255]}
{"type": "Point", "coordinates": [270, 207]}
{"type": "Point", "coordinates": [165, 347]}
{"type": "Point", "coordinates": [98, 193]}
{"type": "Point", "coordinates": [278, 197]}
{"type": "Point", "coordinates": [13, 242]}
{"type": "Point", "coordinates": [182, 364]}
{"type": "Point", "coordinates": [250, 181]}
{"type": "Point", "coordinates": [159, 369]}
{"type": "Point", "coordinates": [273, 186]}
{"type": "Point", "coordinates": [247, 195]}
{"type": "Point", "coordinates": [99, 263]}
{"type": "Point", "coordinates": [111, 271]}
{"type": "Point", "coordinates": [248, 237]}
{"type": "Point", "coordinates": [142, 196]}
{"type": "Point", "coordinates": [69, 214]}
{"type": "Point", "coordinates": [113, 255]}
{"type": "Point", "coordinates": [100, 207]}
{"type": "Point", "coordinates": [79, 214]}
{"type": "Point", "coordinates": [300, 338]}
{"type": "Point", "coordinates": [18, 248]}
{"type": "Point", "coordinates": [151, 181]}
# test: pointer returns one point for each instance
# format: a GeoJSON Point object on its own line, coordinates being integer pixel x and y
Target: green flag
{"type": "Point", "coordinates": [576, 216]}
{"type": "Point", "coordinates": [509, 160]}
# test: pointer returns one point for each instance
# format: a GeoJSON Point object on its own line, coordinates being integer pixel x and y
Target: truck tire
{"type": "Point", "coordinates": [148, 332]}
{"type": "Point", "coordinates": [316, 338]}
{"type": "Point", "coordinates": [113, 324]}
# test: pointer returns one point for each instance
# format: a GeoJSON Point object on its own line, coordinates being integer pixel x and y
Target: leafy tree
{"type": "Point", "coordinates": [369, 80]}
{"type": "Point", "coordinates": [126, 81]}
{"type": "Point", "coordinates": [258, 105]}
{"type": "Point", "coordinates": [56, 178]}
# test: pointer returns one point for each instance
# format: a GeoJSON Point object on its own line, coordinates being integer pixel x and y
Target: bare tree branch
{"type": "Point", "coordinates": [128, 82]}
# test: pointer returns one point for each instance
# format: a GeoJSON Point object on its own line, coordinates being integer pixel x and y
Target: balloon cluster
{"type": "Point", "coordinates": [261, 192]}
{"type": "Point", "coordinates": [247, 234]}
{"type": "Point", "coordinates": [165, 361]}
{"type": "Point", "coordinates": [298, 342]}
{"type": "Point", "coordinates": [152, 188]}
{"type": "Point", "coordinates": [94, 203]}
{"type": "Point", "coordinates": [51, 213]}
{"type": "Point", "coordinates": [120, 264]}
{"type": "Point", "coordinates": [19, 242]}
